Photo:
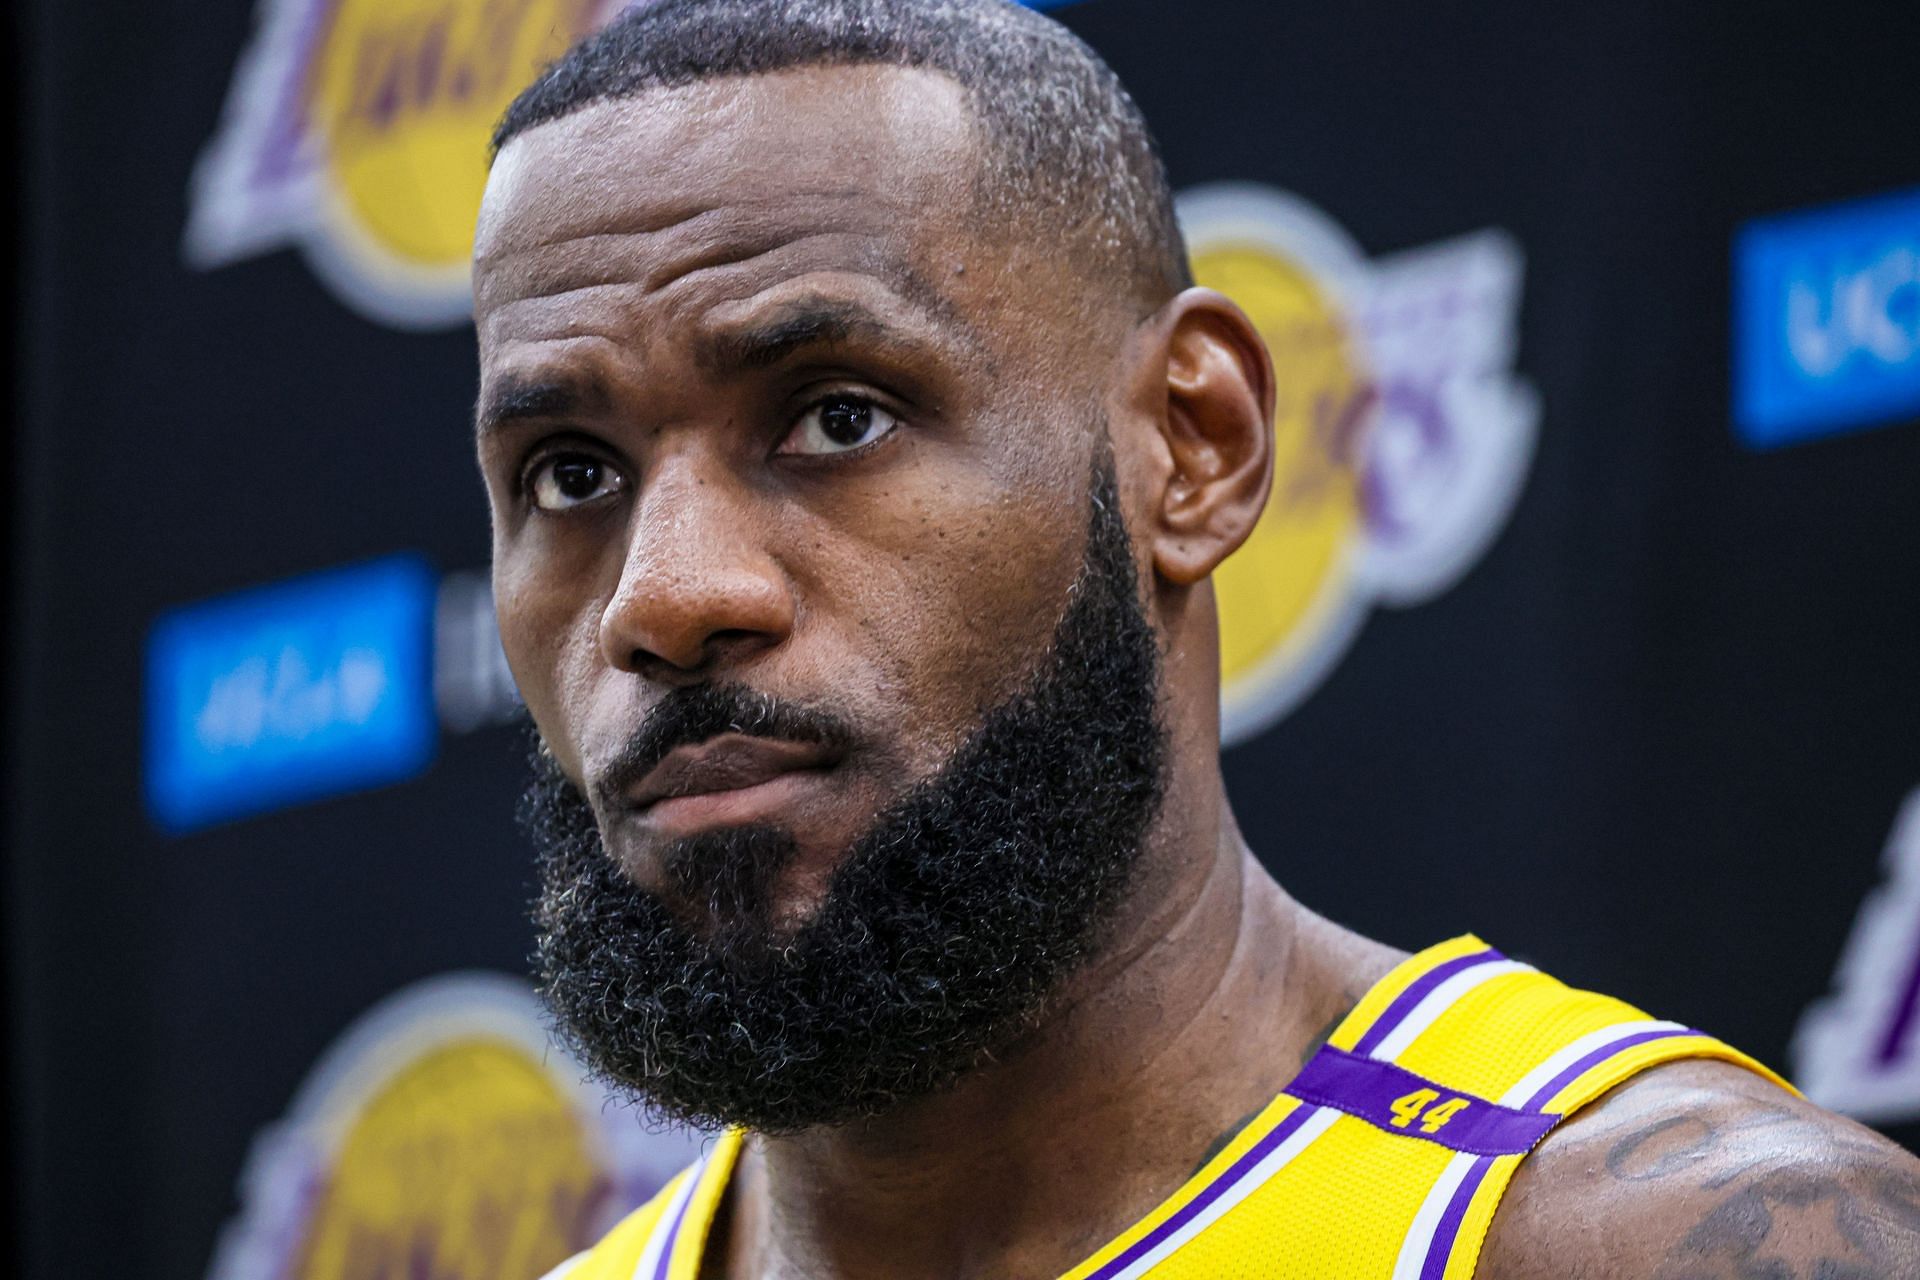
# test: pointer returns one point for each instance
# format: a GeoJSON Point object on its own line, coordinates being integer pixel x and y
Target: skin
{"type": "Point", "coordinates": [665, 287]}
{"type": "Point", "coordinates": [1703, 1171]}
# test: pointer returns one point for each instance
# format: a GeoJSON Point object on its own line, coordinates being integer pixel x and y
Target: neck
{"type": "Point", "coordinates": [1198, 1014]}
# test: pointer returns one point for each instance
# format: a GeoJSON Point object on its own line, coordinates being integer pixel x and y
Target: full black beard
{"type": "Point", "coordinates": [940, 936]}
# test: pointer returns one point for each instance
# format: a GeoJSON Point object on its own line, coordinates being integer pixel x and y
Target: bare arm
{"type": "Point", "coordinates": [1703, 1171]}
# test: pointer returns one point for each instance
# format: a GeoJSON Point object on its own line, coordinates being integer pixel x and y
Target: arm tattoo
{"type": "Point", "coordinates": [1723, 1150]}
{"type": "Point", "coordinates": [1805, 1223]}
{"type": "Point", "coordinates": [1662, 1149]}
{"type": "Point", "coordinates": [1851, 1212]}
{"type": "Point", "coordinates": [1674, 1145]}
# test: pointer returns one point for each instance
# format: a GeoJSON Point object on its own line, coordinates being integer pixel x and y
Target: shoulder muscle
{"type": "Point", "coordinates": [1704, 1171]}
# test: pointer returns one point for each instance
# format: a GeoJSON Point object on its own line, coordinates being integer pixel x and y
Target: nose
{"type": "Point", "coordinates": [698, 587]}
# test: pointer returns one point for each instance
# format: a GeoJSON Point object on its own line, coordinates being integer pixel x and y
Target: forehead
{"type": "Point", "coordinates": [871, 166]}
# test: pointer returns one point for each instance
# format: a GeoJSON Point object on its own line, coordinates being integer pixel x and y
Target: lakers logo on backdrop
{"type": "Point", "coordinates": [1858, 1049]}
{"type": "Point", "coordinates": [442, 1136]}
{"type": "Point", "coordinates": [1402, 435]}
{"type": "Point", "coordinates": [357, 130]}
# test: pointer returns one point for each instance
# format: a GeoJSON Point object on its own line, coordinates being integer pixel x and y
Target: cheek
{"type": "Point", "coordinates": [549, 637]}
{"type": "Point", "coordinates": [959, 596]}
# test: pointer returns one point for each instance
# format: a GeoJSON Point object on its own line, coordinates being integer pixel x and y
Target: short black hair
{"type": "Point", "coordinates": [1063, 138]}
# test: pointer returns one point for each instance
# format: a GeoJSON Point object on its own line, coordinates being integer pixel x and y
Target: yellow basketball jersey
{"type": "Point", "coordinates": [1383, 1160]}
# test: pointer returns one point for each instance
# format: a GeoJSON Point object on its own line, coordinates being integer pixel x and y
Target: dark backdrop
{"type": "Point", "coordinates": [1654, 739]}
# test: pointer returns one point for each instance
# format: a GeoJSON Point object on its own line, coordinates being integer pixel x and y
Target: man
{"type": "Point", "coordinates": [858, 453]}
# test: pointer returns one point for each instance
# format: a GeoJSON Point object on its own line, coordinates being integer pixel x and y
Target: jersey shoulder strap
{"type": "Point", "coordinates": [1388, 1154]}
{"type": "Point", "coordinates": [1463, 1048]}
{"type": "Point", "coordinates": [664, 1238]}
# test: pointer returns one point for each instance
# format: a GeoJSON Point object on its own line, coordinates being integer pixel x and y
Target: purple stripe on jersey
{"type": "Point", "coordinates": [1405, 1003]}
{"type": "Point", "coordinates": [1448, 1229]}
{"type": "Point", "coordinates": [1400, 1102]}
{"type": "Point", "coordinates": [1594, 1059]}
{"type": "Point", "coordinates": [672, 1241]}
{"type": "Point", "coordinates": [1212, 1191]}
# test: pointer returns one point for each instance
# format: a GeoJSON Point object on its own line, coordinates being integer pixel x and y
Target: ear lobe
{"type": "Point", "coordinates": [1217, 430]}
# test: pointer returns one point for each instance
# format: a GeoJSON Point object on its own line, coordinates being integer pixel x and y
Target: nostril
{"type": "Point", "coordinates": [663, 670]}
{"type": "Point", "coordinates": [732, 645]}
{"type": "Point", "coordinates": [734, 637]}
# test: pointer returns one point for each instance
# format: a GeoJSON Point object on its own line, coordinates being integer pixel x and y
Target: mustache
{"type": "Point", "coordinates": [688, 716]}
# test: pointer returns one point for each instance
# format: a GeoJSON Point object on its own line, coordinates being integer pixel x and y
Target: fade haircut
{"type": "Point", "coordinates": [1065, 149]}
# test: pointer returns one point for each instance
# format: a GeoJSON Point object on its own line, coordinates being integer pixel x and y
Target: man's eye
{"type": "Point", "coordinates": [838, 424]}
{"type": "Point", "coordinates": [570, 479]}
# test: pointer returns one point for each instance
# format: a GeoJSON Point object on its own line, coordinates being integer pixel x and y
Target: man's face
{"type": "Point", "coordinates": [809, 561]}
{"type": "Point", "coordinates": [765, 404]}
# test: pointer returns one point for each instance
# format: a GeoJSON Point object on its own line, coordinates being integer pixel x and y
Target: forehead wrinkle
{"type": "Point", "coordinates": [557, 232]}
{"type": "Point", "coordinates": [873, 257]}
{"type": "Point", "coordinates": [626, 244]}
{"type": "Point", "coordinates": [814, 319]}
{"type": "Point", "coordinates": [580, 312]}
{"type": "Point", "coordinates": [813, 251]}
{"type": "Point", "coordinates": [732, 277]}
{"type": "Point", "coordinates": [698, 287]}
{"type": "Point", "coordinates": [888, 304]}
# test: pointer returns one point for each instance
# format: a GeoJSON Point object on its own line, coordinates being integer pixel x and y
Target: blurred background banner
{"type": "Point", "coordinates": [1586, 613]}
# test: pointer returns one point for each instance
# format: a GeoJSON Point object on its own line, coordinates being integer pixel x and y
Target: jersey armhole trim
{"type": "Point", "coordinates": [1284, 1129]}
{"type": "Point", "coordinates": [686, 1252]}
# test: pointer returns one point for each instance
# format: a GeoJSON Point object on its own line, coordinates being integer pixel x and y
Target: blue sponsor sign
{"type": "Point", "coordinates": [1827, 320]}
{"type": "Point", "coordinates": [285, 693]}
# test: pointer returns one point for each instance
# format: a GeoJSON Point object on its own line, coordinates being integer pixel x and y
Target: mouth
{"type": "Point", "coordinates": [729, 780]}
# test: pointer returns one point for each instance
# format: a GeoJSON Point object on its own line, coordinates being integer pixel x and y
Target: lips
{"type": "Point", "coordinates": [729, 763]}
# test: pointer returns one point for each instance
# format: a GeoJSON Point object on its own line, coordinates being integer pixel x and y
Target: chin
{"type": "Point", "coordinates": [759, 879]}
{"type": "Point", "coordinates": [796, 903]}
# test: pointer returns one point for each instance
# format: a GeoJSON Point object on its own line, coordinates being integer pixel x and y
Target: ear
{"type": "Point", "coordinates": [1209, 387]}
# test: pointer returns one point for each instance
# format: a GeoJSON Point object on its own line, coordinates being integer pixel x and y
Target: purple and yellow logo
{"type": "Point", "coordinates": [357, 130]}
{"type": "Point", "coordinates": [443, 1135]}
{"type": "Point", "coordinates": [1402, 434]}
{"type": "Point", "coordinates": [1857, 1050]}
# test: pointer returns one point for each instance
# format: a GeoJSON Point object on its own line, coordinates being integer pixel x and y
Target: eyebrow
{"type": "Point", "coordinates": [804, 323]}
{"type": "Point", "coordinates": [517, 398]}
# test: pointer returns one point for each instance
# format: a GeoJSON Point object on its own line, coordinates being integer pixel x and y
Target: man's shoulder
{"type": "Point", "coordinates": [1700, 1170]}
{"type": "Point", "coordinates": [618, 1252]}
